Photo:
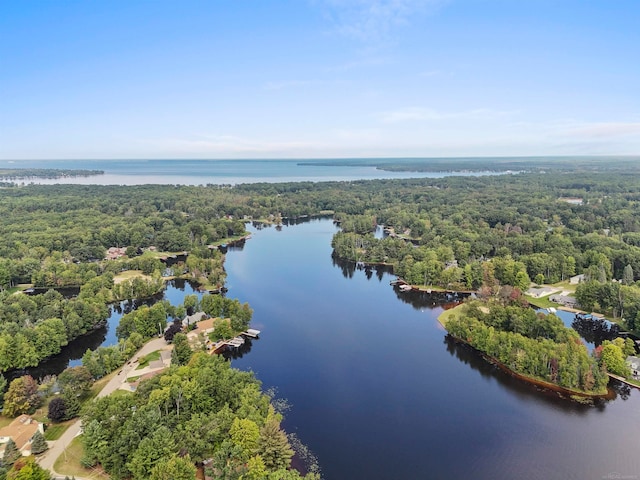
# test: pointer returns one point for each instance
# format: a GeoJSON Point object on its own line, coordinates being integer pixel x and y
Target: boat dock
{"type": "Point", "coordinates": [236, 342]}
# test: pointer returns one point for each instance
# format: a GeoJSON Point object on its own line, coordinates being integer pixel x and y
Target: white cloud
{"type": "Point", "coordinates": [289, 84]}
{"type": "Point", "coordinates": [419, 114]}
{"type": "Point", "coordinates": [602, 130]}
{"type": "Point", "coordinates": [372, 20]}
{"type": "Point", "coordinates": [431, 73]}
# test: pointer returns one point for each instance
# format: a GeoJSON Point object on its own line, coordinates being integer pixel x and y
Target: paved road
{"type": "Point", "coordinates": [58, 447]}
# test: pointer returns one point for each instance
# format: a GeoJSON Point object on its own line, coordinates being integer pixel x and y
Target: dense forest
{"type": "Point", "coordinates": [460, 233]}
{"type": "Point", "coordinates": [204, 411]}
{"type": "Point", "coordinates": [494, 234]}
{"type": "Point", "coordinates": [532, 344]}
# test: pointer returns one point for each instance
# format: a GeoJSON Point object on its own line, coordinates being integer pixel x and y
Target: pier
{"type": "Point", "coordinates": [235, 342]}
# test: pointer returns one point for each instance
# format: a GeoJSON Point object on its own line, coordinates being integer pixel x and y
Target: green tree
{"type": "Point", "coordinates": [273, 446]}
{"type": "Point", "coordinates": [627, 275]}
{"type": "Point", "coordinates": [256, 469]}
{"type": "Point", "coordinates": [75, 381]}
{"type": "Point", "coordinates": [173, 468]}
{"type": "Point", "coordinates": [150, 451]}
{"type": "Point", "coordinates": [27, 469]}
{"type": "Point", "coordinates": [629, 347]}
{"type": "Point", "coordinates": [11, 453]}
{"type": "Point", "coordinates": [522, 281]}
{"type": "Point", "coordinates": [245, 435]}
{"type": "Point", "coordinates": [221, 330]}
{"type": "Point", "coordinates": [3, 386]}
{"type": "Point", "coordinates": [38, 443]}
{"type": "Point", "coordinates": [613, 359]}
{"type": "Point", "coordinates": [181, 350]}
{"type": "Point", "coordinates": [72, 406]}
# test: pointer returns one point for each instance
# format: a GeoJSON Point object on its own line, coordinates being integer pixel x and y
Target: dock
{"type": "Point", "coordinates": [236, 342]}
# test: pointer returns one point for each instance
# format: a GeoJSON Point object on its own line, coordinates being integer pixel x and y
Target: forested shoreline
{"type": "Point", "coordinates": [496, 235]}
{"type": "Point", "coordinates": [535, 346]}
{"type": "Point", "coordinates": [464, 233]}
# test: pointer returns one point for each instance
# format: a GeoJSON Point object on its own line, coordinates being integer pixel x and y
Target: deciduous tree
{"type": "Point", "coordinates": [22, 396]}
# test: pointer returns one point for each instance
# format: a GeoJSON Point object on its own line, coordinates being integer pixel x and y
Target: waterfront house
{"type": "Point", "coordinates": [539, 292]}
{"type": "Point", "coordinates": [634, 365]}
{"type": "Point", "coordinates": [565, 300]}
{"type": "Point", "coordinates": [193, 320]}
{"type": "Point", "coordinates": [21, 431]}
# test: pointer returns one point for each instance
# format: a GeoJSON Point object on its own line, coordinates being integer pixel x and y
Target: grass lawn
{"type": "Point", "coordinates": [54, 432]}
{"type": "Point", "coordinates": [99, 385]}
{"type": "Point", "coordinates": [566, 286]}
{"type": "Point", "coordinates": [128, 275]}
{"type": "Point", "coordinates": [120, 393]}
{"type": "Point", "coordinates": [444, 317]}
{"type": "Point", "coordinates": [69, 463]}
{"type": "Point", "coordinates": [4, 421]}
{"type": "Point", "coordinates": [153, 356]}
{"type": "Point", "coordinates": [543, 302]}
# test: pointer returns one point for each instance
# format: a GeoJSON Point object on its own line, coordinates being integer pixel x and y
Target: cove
{"type": "Point", "coordinates": [378, 392]}
{"type": "Point", "coordinates": [71, 354]}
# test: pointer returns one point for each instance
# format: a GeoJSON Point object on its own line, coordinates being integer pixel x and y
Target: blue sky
{"type": "Point", "coordinates": [318, 78]}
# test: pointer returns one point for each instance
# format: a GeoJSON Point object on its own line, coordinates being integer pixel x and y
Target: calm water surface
{"type": "Point", "coordinates": [71, 354]}
{"type": "Point", "coordinates": [215, 172]}
{"type": "Point", "coordinates": [378, 393]}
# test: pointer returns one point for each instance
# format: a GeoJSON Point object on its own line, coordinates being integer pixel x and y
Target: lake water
{"type": "Point", "coordinates": [215, 172]}
{"type": "Point", "coordinates": [377, 391]}
{"type": "Point", "coordinates": [71, 354]}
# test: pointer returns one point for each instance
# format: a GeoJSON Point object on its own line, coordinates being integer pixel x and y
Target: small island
{"type": "Point", "coordinates": [532, 346]}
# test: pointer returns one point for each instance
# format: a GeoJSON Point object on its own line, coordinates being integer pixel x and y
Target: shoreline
{"type": "Point", "coordinates": [530, 380]}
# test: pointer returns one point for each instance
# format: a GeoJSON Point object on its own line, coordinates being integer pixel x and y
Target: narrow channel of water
{"type": "Point", "coordinates": [71, 354]}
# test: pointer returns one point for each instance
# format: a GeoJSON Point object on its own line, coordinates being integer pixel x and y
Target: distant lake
{"type": "Point", "coordinates": [215, 172]}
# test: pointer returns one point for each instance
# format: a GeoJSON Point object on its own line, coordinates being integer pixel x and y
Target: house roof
{"type": "Point", "coordinates": [20, 430]}
{"type": "Point", "coordinates": [203, 326]}
{"type": "Point", "coordinates": [195, 318]}
{"type": "Point", "coordinates": [633, 361]}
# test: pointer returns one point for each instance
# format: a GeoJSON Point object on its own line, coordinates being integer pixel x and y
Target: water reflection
{"type": "Point", "coordinates": [66, 292]}
{"type": "Point", "coordinates": [422, 299]}
{"type": "Point", "coordinates": [71, 354]}
{"type": "Point", "coordinates": [349, 268]}
{"type": "Point", "coordinates": [524, 390]}
{"type": "Point", "coordinates": [239, 352]}
{"type": "Point", "coordinates": [595, 330]}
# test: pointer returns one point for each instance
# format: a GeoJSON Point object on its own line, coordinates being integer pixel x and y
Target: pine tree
{"type": "Point", "coordinates": [273, 446]}
{"type": "Point", "coordinates": [11, 453]}
{"type": "Point", "coordinates": [72, 405]}
{"type": "Point", "coordinates": [38, 444]}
